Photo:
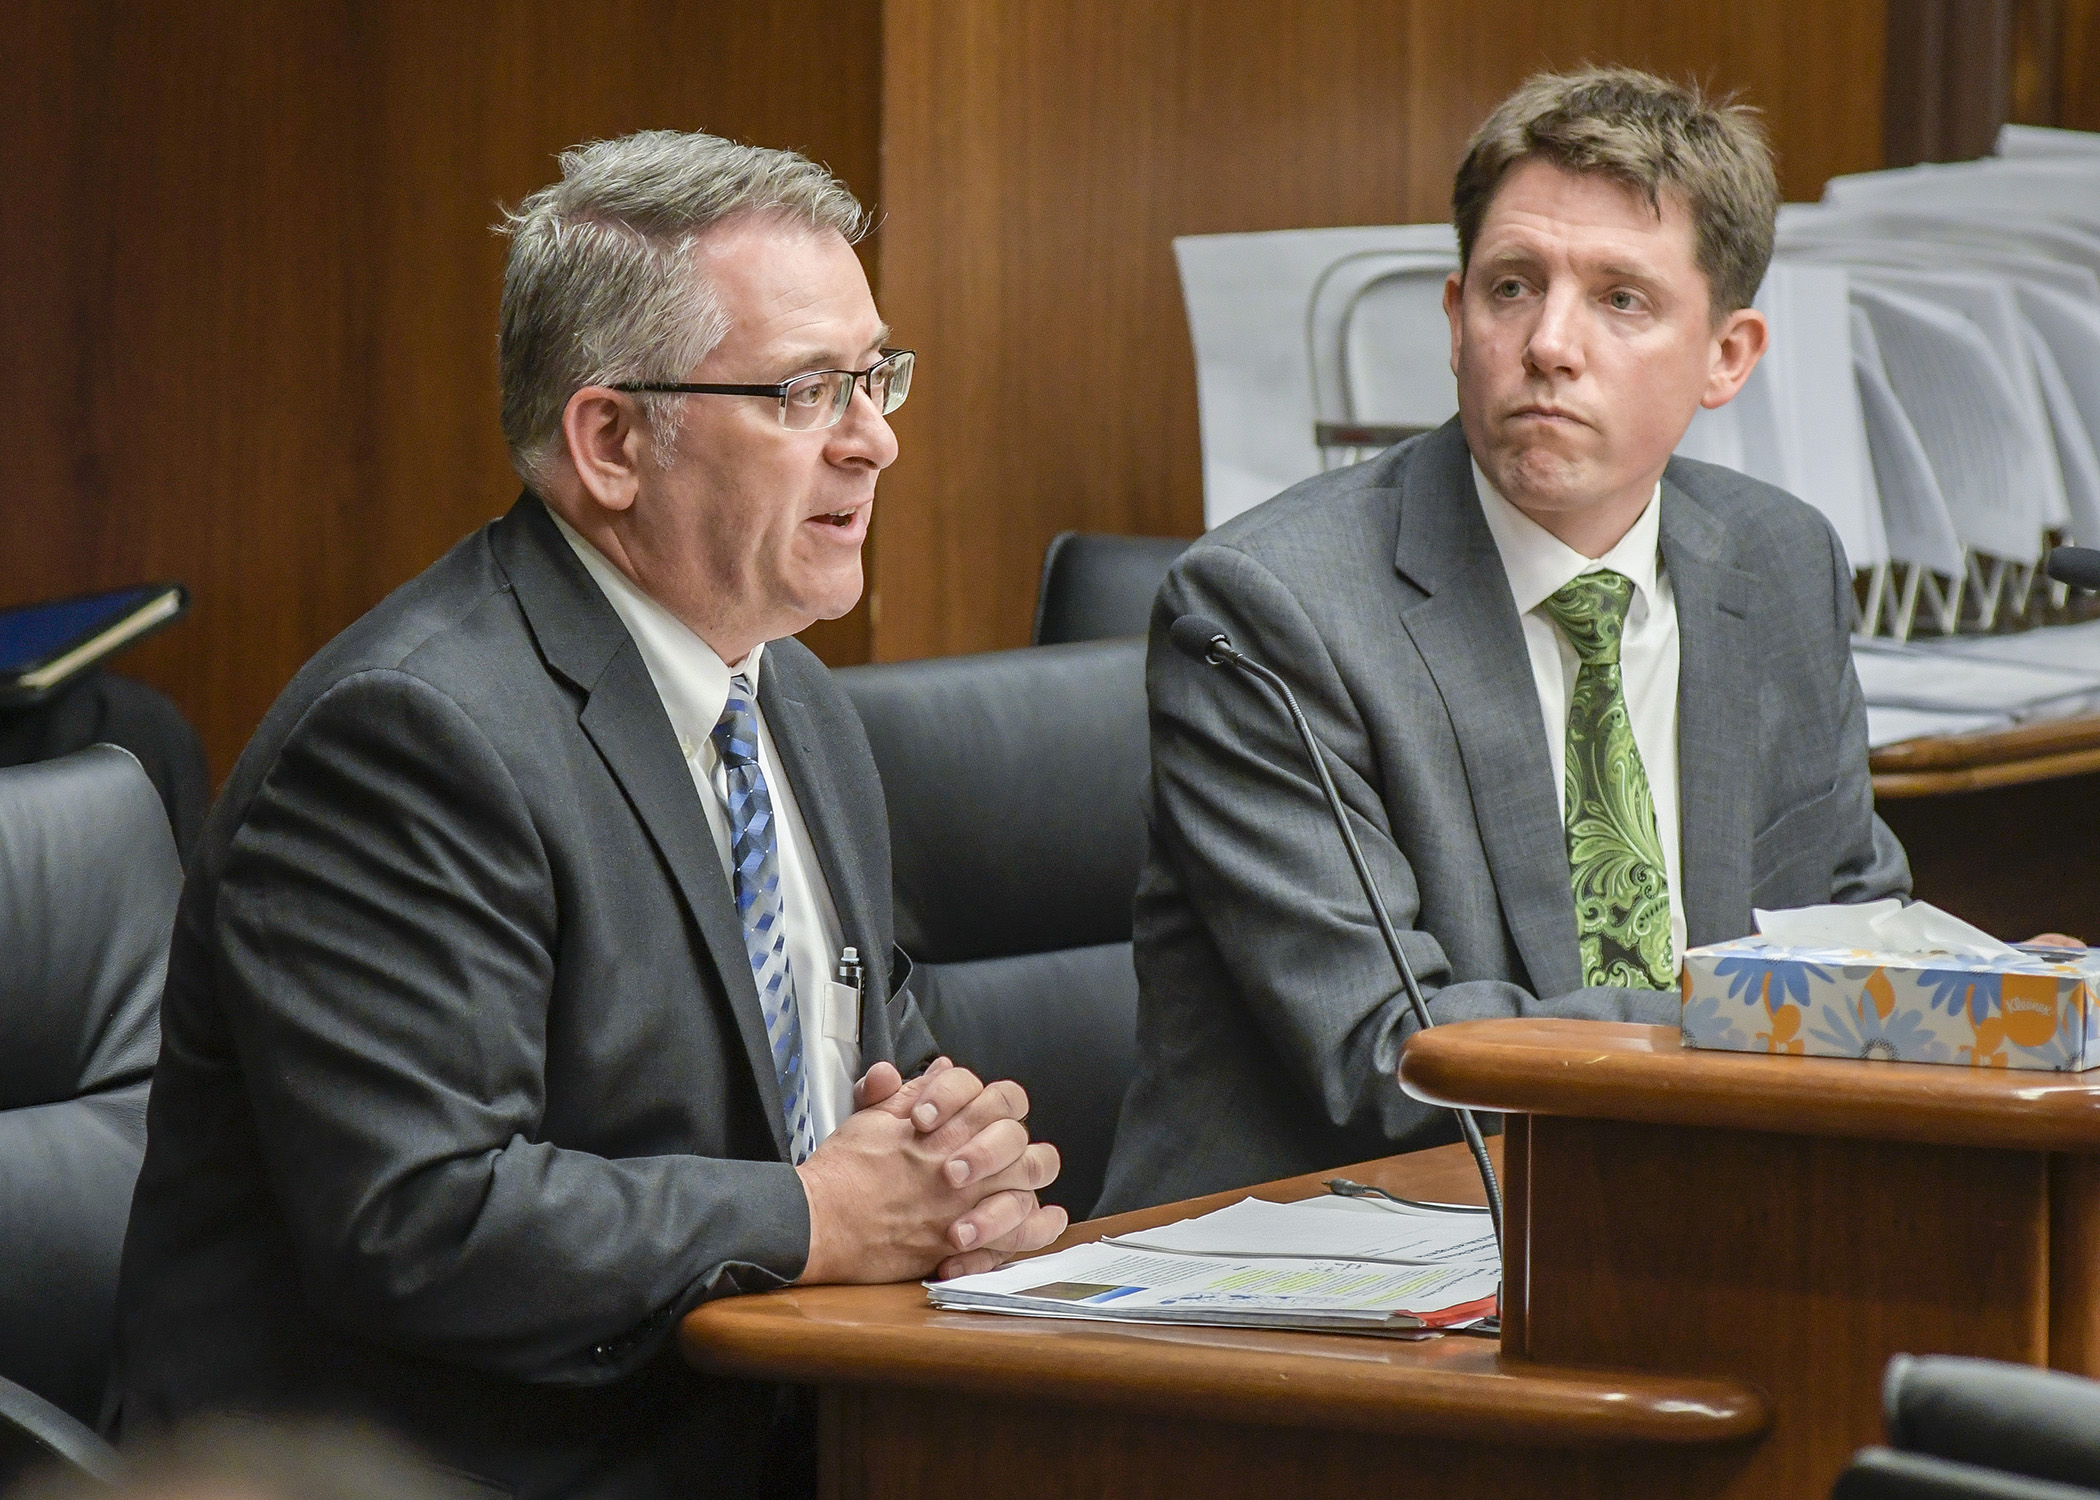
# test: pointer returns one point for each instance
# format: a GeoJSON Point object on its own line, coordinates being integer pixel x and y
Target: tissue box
{"type": "Point", "coordinates": [2012, 1011]}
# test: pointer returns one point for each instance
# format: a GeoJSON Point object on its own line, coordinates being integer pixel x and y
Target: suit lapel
{"type": "Point", "coordinates": [583, 640]}
{"type": "Point", "coordinates": [1716, 718]}
{"type": "Point", "coordinates": [1470, 639]}
{"type": "Point", "coordinates": [798, 740]}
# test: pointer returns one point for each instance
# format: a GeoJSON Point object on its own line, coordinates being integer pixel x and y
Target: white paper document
{"type": "Point", "coordinates": [1270, 317]}
{"type": "Point", "coordinates": [1995, 676]}
{"type": "Point", "coordinates": [1892, 726]}
{"type": "Point", "coordinates": [1115, 1284]}
{"type": "Point", "coordinates": [1964, 684]}
{"type": "Point", "coordinates": [1326, 1228]}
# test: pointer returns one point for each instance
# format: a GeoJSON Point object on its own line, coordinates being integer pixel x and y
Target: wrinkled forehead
{"type": "Point", "coordinates": [1538, 196]}
{"type": "Point", "coordinates": [1589, 223]}
{"type": "Point", "coordinates": [781, 285]}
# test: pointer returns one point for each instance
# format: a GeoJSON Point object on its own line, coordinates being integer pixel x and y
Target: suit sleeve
{"type": "Point", "coordinates": [387, 935]}
{"type": "Point", "coordinates": [915, 1042]}
{"type": "Point", "coordinates": [1239, 815]}
{"type": "Point", "coordinates": [1871, 863]}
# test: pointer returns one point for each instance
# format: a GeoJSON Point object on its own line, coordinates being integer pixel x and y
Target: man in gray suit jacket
{"type": "Point", "coordinates": [1588, 704]}
{"type": "Point", "coordinates": [534, 979]}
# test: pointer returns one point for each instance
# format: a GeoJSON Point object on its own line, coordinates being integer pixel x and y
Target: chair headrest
{"type": "Point", "coordinates": [1016, 784]}
{"type": "Point", "coordinates": [88, 886]}
{"type": "Point", "coordinates": [1096, 586]}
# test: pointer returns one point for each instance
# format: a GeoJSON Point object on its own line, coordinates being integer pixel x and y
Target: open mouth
{"type": "Point", "coordinates": [850, 521]}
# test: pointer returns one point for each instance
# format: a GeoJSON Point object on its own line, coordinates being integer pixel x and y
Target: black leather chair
{"type": "Point", "coordinates": [1015, 782]}
{"type": "Point", "coordinates": [1975, 1429]}
{"type": "Point", "coordinates": [1096, 587]}
{"type": "Point", "coordinates": [35, 1435]}
{"type": "Point", "coordinates": [102, 708]}
{"type": "Point", "coordinates": [88, 884]}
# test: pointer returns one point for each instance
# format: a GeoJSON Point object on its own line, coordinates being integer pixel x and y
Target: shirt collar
{"type": "Point", "coordinates": [690, 678]}
{"type": "Point", "coordinates": [1540, 564]}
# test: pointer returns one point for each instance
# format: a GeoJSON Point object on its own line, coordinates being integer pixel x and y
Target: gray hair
{"type": "Point", "coordinates": [601, 289]}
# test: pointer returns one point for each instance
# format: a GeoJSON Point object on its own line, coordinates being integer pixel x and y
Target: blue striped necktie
{"type": "Point", "coordinates": [754, 851]}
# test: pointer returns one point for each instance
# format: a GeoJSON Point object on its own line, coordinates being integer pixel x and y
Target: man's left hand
{"type": "Point", "coordinates": [987, 1121]}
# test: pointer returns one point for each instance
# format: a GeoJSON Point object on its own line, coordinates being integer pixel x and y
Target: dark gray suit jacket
{"type": "Point", "coordinates": [464, 1094]}
{"type": "Point", "coordinates": [1270, 1022]}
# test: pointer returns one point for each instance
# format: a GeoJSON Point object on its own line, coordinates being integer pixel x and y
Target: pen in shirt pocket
{"type": "Point", "coordinates": [852, 973]}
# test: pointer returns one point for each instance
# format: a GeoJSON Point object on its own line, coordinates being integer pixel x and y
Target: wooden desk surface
{"type": "Point", "coordinates": [1456, 1387]}
{"type": "Point", "coordinates": [1609, 1071]}
{"type": "Point", "coordinates": [1994, 758]}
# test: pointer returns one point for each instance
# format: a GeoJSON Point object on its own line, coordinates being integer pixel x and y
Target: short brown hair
{"type": "Point", "coordinates": [1652, 135]}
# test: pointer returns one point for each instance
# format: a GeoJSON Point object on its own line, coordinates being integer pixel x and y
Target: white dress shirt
{"type": "Point", "coordinates": [1539, 564]}
{"type": "Point", "coordinates": [694, 685]}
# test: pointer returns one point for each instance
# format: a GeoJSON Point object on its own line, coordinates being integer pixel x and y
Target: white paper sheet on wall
{"type": "Point", "coordinates": [1396, 348]}
{"type": "Point", "coordinates": [1377, 338]}
{"type": "Point", "coordinates": [1248, 299]}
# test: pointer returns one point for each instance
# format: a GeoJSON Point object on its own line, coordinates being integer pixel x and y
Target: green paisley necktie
{"type": "Point", "coordinates": [1622, 896]}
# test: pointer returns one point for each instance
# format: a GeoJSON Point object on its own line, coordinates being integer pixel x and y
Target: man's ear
{"type": "Point", "coordinates": [605, 434]}
{"type": "Point", "coordinates": [1454, 308]}
{"type": "Point", "coordinates": [1739, 343]}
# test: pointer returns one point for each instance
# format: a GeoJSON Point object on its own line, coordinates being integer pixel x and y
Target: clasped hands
{"type": "Point", "coordinates": [932, 1175]}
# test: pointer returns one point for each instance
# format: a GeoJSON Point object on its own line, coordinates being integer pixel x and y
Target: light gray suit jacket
{"type": "Point", "coordinates": [1270, 1022]}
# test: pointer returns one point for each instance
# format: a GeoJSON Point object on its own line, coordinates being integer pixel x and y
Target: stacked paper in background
{"type": "Point", "coordinates": [1963, 684]}
{"type": "Point", "coordinates": [1896, 983]}
{"type": "Point", "coordinates": [1932, 386]}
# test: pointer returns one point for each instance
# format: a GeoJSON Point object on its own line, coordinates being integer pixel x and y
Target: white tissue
{"type": "Point", "coordinates": [1883, 927]}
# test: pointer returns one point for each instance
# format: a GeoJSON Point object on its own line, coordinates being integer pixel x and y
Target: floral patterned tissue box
{"type": "Point", "coordinates": [2022, 1010]}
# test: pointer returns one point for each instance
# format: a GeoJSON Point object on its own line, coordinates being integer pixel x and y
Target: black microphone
{"type": "Point", "coordinates": [2077, 566]}
{"type": "Point", "coordinates": [1203, 640]}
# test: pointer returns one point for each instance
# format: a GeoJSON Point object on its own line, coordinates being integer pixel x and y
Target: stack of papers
{"type": "Point", "coordinates": [1972, 683]}
{"type": "Point", "coordinates": [1326, 1264]}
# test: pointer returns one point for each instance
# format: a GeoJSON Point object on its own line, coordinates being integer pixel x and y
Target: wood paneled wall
{"type": "Point", "coordinates": [2068, 57]}
{"type": "Point", "coordinates": [248, 288]}
{"type": "Point", "coordinates": [1039, 158]}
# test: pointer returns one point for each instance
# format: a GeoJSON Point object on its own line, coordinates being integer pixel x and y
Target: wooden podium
{"type": "Point", "coordinates": [1708, 1259]}
{"type": "Point", "coordinates": [1788, 1222]}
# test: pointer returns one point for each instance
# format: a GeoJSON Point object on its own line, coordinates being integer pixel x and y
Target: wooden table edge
{"type": "Point", "coordinates": [2018, 742]}
{"type": "Point", "coordinates": [1594, 1070]}
{"type": "Point", "coordinates": [1512, 1402]}
{"type": "Point", "coordinates": [1985, 775]}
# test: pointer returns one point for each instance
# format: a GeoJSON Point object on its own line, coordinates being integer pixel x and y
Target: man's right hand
{"type": "Point", "coordinates": [934, 1173]}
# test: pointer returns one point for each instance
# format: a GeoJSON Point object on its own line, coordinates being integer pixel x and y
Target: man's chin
{"type": "Point", "coordinates": [834, 599]}
{"type": "Point", "coordinates": [1543, 480]}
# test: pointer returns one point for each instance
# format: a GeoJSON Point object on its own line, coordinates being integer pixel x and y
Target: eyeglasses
{"type": "Point", "coordinates": [812, 402]}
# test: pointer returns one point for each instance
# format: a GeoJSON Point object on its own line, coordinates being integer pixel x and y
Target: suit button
{"type": "Point", "coordinates": [604, 1354]}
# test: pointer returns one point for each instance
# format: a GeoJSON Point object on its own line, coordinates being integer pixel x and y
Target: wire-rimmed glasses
{"type": "Point", "coordinates": [812, 402]}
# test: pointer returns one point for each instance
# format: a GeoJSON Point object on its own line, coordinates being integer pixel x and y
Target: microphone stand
{"type": "Point", "coordinates": [1216, 649]}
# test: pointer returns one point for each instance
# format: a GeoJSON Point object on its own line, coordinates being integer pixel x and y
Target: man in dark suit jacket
{"type": "Point", "coordinates": [502, 1026]}
{"type": "Point", "coordinates": [1587, 703]}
